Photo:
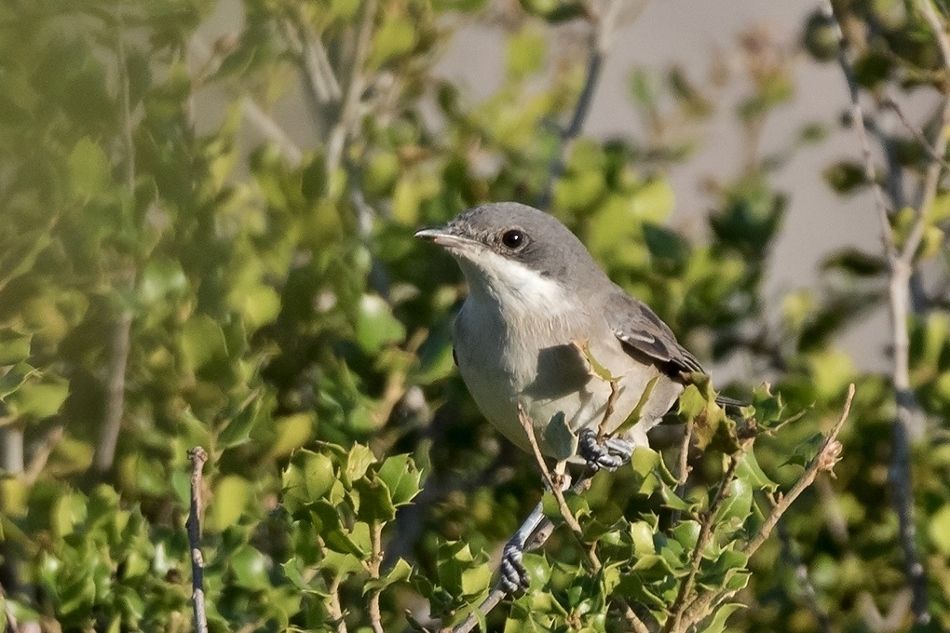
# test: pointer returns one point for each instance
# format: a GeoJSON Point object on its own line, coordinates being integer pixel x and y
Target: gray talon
{"type": "Point", "coordinates": [610, 455]}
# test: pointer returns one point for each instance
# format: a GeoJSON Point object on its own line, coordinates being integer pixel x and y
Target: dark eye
{"type": "Point", "coordinates": [514, 239]}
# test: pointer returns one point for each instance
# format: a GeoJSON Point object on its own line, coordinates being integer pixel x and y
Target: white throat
{"type": "Point", "coordinates": [517, 289]}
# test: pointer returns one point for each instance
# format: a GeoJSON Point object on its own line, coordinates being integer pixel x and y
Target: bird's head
{"type": "Point", "coordinates": [516, 253]}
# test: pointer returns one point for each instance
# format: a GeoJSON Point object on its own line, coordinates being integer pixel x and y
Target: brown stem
{"type": "Point", "coordinates": [198, 457]}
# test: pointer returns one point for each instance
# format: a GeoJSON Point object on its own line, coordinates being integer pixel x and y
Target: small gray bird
{"type": "Point", "coordinates": [535, 297]}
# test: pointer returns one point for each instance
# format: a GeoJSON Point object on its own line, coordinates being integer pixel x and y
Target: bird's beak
{"type": "Point", "coordinates": [444, 237]}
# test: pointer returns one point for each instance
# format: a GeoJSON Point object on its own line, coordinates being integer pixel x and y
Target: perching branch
{"type": "Point", "coordinates": [198, 457]}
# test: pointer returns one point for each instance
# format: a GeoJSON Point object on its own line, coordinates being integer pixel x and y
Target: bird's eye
{"type": "Point", "coordinates": [514, 239]}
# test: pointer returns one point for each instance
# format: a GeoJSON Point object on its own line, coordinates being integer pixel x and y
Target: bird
{"type": "Point", "coordinates": [541, 326]}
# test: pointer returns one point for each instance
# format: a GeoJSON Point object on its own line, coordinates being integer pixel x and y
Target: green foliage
{"type": "Point", "coordinates": [168, 275]}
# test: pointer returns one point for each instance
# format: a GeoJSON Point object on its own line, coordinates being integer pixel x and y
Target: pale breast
{"type": "Point", "coordinates": [509, 359]}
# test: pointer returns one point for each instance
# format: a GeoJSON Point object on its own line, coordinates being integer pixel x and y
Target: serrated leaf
{"type": "Point", "coordinates": [375, 500]}
{"type": "Point", "coordinates": [399, 572]}
{"type": "Point", "coordinates": [400, 474]}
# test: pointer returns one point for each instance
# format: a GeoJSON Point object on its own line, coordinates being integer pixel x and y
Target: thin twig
{"type": "Point", "coordinates": [376, 540]}
{"type": "Point", "coordinates": [857, 116]}
{"type": "Point", "coordinates": [335, 607]}
{"type": "Point", "coordinates": [271, 130]}
{"type": "Point", "coordinates": [702, 541]}
{"type": "Point", "coordinates": [915, 131]}
{"type": "Point", "coordinates": [600, 41]}
{"type": "Point", "coordinates": [554, 484]}
{"type": "Point", "coordinates": [825, 460]}
{"type": "Point", "coordinates": [122, 329]}
{"type": "Point", "coordinates": [354, 89]}
{"type": "Point", "coordinates": [41, 456]}
{"type": "Point", "coordinates": [198, 457]}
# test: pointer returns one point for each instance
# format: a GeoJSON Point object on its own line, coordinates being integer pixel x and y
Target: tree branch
{"type": "Point", "coordinates": [198, 457]}
{"type": "Point", "coordinates": [354, 89]}
{"type": "Point", "coordinates": [122, 329]}
{"type": "Point", "coordinates": [909, 423]}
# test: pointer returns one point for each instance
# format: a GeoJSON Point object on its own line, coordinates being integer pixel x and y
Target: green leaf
{"type": "Point", "coordinates": [14, 378]}
{"type": "Point", "coordinates": [14, 347]}
{"type": "Point", "coordinates": [376, 327]}
{"type": "Point", "coordinates": [400, 474]}
{"type": "Point", "coordinates": [39, 398]}
{"type": "Point", "coordinates": [231, 495]}
{"type": "Point", "coordinates": [526, 51]}
{"type": "Point", "coordinates": [399, 572]}
{"type": "Point", "coordinates": [748, 470]}
{"type": "Point", "coordinates": [203, 342]}
{"type": "Point", "coordinates": [938, 529]}
{"type": "Point", "coordinates": [308, 477]}
{"type": "Point", "coordinates": [250, 567]}
{"type": "Point", "coordinates": [737, 504]}
{"type": "Point", "coordinates": [718, 622]}
{"type": "Point", "coordinates": [88, 168]}
{"type": "Point", "coordinates": [293, 431]}
{"type": "Point", "coordinates": [375, 500]}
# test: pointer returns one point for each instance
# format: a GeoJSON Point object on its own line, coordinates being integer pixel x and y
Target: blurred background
{"type": "Point", "coordinates": [208, 211]}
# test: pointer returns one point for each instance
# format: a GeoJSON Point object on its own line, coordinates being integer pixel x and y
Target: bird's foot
{"type": "Point", "coordinates": [608, 455]}
{"type": "Point", "coordinates": [514, 576]}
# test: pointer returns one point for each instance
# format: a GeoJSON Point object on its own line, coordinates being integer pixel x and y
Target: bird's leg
{"type": "Point", "coordinates": [610, 454]}
{"type": "Point", "coordinates": [514, 576]}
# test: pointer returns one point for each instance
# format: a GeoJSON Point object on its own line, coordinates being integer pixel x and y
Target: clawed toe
{"type": "Point", "coordinates": [514, 576]}
{"type": "Point", "coordinates": [609, 455]}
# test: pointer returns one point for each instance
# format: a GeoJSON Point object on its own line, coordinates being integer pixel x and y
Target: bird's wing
{"type": "Point", "coordinates": [640, 329]}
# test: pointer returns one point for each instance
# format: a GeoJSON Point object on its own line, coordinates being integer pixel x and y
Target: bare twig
{"type": "Point", "coordinates": [554, 484]}
{"type": "Point", "coordinates": [334, 606]}
{"type": "Point", "coordinates": [857, 116]}
{"type": "Point", "coordinates": [271, 130]}
{"type": "Point", "coordinates": [122, 329]}
{"type": "Point", "coordinates": [376, 539]}
{"type": "Point", "coordinates": [909, 424]}
{"type": "Point", "coordinates": [198, 457]}
{"type": "Point", "coordinates": [41, 456]}
{"type": "Point", "coordinates": [115, 392]}
{"type": "Point", "coordinates": [915, 131]}
{"type": "Point", "coordinates": [354, 89]}
{"type": "Point", "coordinates": [600, 41]}
{"type": "Point", "coordinates": [824, 461]}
